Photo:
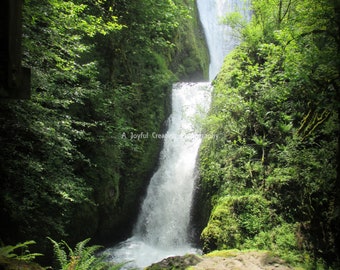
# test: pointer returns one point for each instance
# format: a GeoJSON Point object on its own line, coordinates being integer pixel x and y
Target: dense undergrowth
{"type": "Point", "coordinates": [101, 70]}
{"type": "Point", "coordinates": [81, 257]}
{"type": "Point", "coordinates": [269, 167]}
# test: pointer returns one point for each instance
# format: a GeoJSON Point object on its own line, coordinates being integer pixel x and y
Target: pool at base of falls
{"type": "Point", "coordinates": [136, 253]}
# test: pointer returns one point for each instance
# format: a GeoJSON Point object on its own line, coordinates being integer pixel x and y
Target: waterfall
{"type": "Point", "coordinates": [220, 38]}
{"type": "Point", "coordinates": [165, 213]}
{"type": "Point", "coordinates": [163, 224]}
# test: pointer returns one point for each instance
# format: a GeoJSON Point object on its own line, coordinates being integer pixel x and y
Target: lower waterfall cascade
{"type": "Point", "coordinates": [163, 226]}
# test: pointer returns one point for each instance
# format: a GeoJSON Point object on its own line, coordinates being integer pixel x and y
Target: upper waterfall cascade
{"type": "Point", "coordinates": [163, 225]}
{"type": "Point", "coordinates": [220, 38]}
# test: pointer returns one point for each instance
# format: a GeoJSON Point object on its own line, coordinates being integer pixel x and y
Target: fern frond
{"type": "Point", "coordinates": [71, 253]}
{"type": "Point", "coordinates": [8, 251]}
{"type": "Point", "coordinates": [60, 254]}
{"type": "Point", "coordinates": [80, 246]}
{"type": "Point", "coordinates": [90, 251]}
{"type": "Point", "coordinates": [82, 257]}
{"type": "Point", "coordinates": [88, 263]}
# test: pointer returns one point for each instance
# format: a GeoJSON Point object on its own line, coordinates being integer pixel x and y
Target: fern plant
{"type": "Point", "coordinates": [82, 257]}
{"type": "Point", "coordinates": [25, 255]}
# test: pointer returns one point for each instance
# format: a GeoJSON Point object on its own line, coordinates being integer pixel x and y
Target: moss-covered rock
{"type": "Point", "coordinates": [235, 219]}
{"type": "Point", "coordinates": [176, 262]}
{"type": "Point", "coordinates": [190, 61]}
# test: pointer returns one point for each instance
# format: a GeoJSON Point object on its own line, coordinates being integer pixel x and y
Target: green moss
{"type": "Point", "coordinates": [235, 219]}
{"type": "Point", "coordinates": [223, 253]}
{"type": "Point", "coordinates": [247, 222]}
{"type": "Point", "coordinates": [191, 59]}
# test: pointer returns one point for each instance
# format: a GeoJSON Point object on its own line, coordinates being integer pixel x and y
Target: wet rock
{"type": "Point", "coordinates": [176, 262]}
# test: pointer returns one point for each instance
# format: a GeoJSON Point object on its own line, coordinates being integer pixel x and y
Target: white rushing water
{"type": "Point", "coordinates": [163, 224]}
{"type": "Point", "coordinates": [220, 38]}
{"type": "Point", "coordinates": [165, 213]}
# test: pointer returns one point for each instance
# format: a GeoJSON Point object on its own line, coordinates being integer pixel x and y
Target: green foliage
{"type": "Point", "coordinates": [82, 257]}
{"type": "Point", "coordinates": [273, 133]}
{"type": "Point", "coordinates": [190, 60]}
{"type": "Point", "coordinates": [100, 69]}
{"type": "Point", "coordinates": [236, 219]}
{"type": "Point", "coordinates": [281, 240]}
{"type": "Point", "coordinates": [25, 254]}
